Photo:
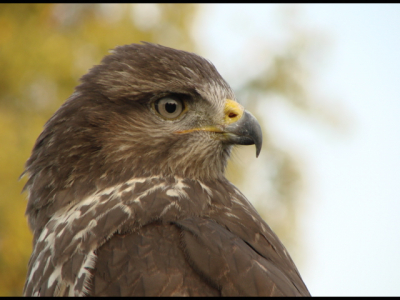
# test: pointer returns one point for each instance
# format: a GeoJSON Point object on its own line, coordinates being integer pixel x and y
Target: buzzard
{"type": "Point", "coordinates": [127, 193]}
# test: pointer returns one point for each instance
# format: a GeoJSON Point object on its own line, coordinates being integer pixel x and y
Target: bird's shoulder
{"type": "Point", "coordinates": [186, 237]}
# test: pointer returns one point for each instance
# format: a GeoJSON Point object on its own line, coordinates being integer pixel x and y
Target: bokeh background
{"type": "Point", "coordinates": [323, 80]}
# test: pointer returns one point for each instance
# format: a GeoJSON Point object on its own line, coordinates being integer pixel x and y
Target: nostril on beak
{"type": "Point", "coordinates": [233, 111]}
{"type": "Point", "coordinates": [232, 115]}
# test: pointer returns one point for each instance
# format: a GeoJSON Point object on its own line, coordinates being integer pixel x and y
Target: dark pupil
{"type": "Point", "coordinates": [170, 107]}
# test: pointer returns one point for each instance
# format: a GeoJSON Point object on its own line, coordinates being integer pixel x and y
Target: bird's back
{"type": "Point", "coordinates": [161, 238]}
{"type": "Point", "coordinates": [148, 262]}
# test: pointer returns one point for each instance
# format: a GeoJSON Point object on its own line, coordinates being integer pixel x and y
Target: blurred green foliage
{"type": "Point", "coordinates": [46, 48]}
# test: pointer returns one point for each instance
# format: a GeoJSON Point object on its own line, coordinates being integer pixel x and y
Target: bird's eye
{"type": "Point", "coordinates": [169, 108]}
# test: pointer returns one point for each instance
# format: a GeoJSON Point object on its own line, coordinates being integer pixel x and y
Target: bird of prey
{"type": "Point", "coordinates": [127, 194]}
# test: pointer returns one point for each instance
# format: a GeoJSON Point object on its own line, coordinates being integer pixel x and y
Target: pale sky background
{"type": "Point", "coordinates": [351, 224]}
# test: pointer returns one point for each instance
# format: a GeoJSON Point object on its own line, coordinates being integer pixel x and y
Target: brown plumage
{"type": "Point", "coordinates": [127, 193]}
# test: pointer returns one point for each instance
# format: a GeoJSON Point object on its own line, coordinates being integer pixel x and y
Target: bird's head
{"type": "Point", "coordinates": [146, 110]}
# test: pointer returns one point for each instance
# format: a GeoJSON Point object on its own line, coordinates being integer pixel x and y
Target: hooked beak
{"type": "Point", "coordinates": [245, 131]}
{"type": "Point", "coordinates": [239, 127]}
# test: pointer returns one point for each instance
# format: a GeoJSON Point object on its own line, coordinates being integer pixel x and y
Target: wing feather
{"type": "Point", "coordinates": [231, 264]}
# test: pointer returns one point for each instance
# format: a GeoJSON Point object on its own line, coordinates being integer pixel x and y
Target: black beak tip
{"type": "Point", "coordinates": [258, 149]}
{"type": "Point", "coordinates": [257, 137]}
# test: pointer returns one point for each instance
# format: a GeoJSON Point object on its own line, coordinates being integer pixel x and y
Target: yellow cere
{"type": "Point", "coordinates": [233, 111]}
